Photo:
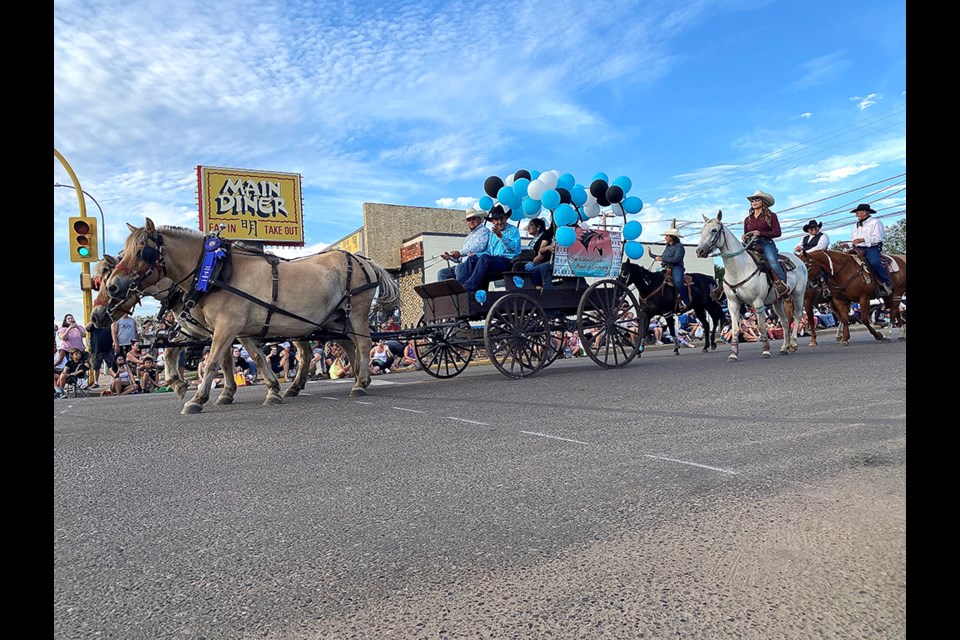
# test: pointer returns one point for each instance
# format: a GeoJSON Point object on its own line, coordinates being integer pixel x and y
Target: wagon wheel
{"type": "Point", "coordinates": [517, 335]}
{"type": "Point", "coordinates": [555, 346]}
{"type": "Point", "coordinates": [609, 335]}
{"type": "Point", "coordinates": [446, 349]}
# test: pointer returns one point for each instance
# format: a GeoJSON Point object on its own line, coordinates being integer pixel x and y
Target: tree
{"type": "Point", "coordinates": [895, 238]}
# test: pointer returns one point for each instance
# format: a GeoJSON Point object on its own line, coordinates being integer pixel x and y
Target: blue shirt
{"type": "Point", "coordinates": [476, 241]}
{"type": "Point", "coordinates": [508, 246]}
{"type": "Point", "coordinates": [673, 255]}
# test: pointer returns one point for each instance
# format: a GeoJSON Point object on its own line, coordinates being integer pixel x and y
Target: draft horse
{"type": "Point", "coordinates": [239, 292]}
{"type": "Point", "coordinates": [171, 297]}
{"type": "Point", "coordinates": [745, 281]}
{"type": "Point", "coordinates": [657, 296]}
{"type": "Point", "coordinates": [850, 279]}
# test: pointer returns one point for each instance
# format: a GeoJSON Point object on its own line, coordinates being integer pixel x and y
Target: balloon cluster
{"type": "Point", "coordinates": [525, 193]}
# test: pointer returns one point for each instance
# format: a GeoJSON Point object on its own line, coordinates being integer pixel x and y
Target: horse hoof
{"type": "Point", "coordinates": [732, 358]}
{"type": "Point", "coordinates": [765, 354]}
{"type": "Point", "coordinates": [191, 408]}
{"type": "Point", "coordinates": [357, 392]}
{"type": "Point", "coordinates": [224, 400]}
{"type": "Point", "coordinates": [812, 344]}
{"type": "Point", "coordinates": [902, 339]}
{"type": "Point", "coordinates": [844, 343]}
{"type": "Point", "coordinates": [272, 398]}
{"type": "Point", "coordinates": [792, 348]}
{"type": "Point", "coordinates": [291, 392]}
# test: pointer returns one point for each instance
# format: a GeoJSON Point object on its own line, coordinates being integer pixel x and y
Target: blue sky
{"type": "Point", "coordinates": [415, 103]}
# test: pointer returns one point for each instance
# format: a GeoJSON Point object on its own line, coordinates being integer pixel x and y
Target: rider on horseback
{"type": "Point", "coordinates": [762, 224]}
{"type": "Point", "coordinates": [815, 240]}
{"type": "Point", "coordinates": [868, 235]}
{"type": "Point", "coordinates": [672, 257]}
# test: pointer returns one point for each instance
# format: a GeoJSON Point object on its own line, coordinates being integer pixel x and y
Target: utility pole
{"type": "Point", "coordinates": [85, 283]}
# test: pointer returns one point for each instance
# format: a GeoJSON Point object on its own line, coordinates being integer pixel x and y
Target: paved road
{"type": "Point", "coordinates": [677, 497]}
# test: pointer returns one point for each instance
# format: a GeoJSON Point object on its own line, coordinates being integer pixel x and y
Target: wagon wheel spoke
{"type": "Point", "coordinates": [446, 349]}
{"type": "Point", "coordinates": [516, 335]}
{"type": "Point", "coordinates": [608, 321]}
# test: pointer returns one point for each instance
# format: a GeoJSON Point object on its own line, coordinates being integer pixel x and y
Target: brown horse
{"type": "Point", "coordinates": [850, 280]}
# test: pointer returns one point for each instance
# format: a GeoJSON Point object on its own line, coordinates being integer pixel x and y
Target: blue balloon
{"type": "Point", "coordinates": [534, 174]}
{"type": "Point", "coordinates": [566, 181]}
{"type": "Point", "coordinates": [506, 196]}
{"type": "Point", "coordinates": [550, 199]}
{"type": "Point", "coordinates": [530, 207]}
{"type": "Point", "coordinates": [565, 236]}
{"type": "Point", "coordinates": [632, 230]}
{"type": "Point", "coordinates": [520, 187]}
{"type": "Point", "coordinates": [633, 204]}
{"type": "Point", "coordinates": [634, 250]}
{"type": "Point", "coordinates": [578, 194]}
{"type": "Point", "coordinates": [600, 176]}
{"type": "Point", "coordinates": [516, 214]}
{"type": "Point", "coordinates": [565, 215]}
{"type": "Point", "coordinates": [486, 203]}
{"type": "Point", "coordinates": [480, 296]}
{"type": "Point", "coordinates": [518, 281]}
{"type": "Point", "coordinates": [623, 182]}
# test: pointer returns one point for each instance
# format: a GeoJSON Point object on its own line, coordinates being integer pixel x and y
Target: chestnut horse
{"type": "Point", "coordinates": [850, 280]}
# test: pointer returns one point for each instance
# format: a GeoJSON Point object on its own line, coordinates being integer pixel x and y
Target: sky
{"type": "Point", "coordinates": [700, 103]}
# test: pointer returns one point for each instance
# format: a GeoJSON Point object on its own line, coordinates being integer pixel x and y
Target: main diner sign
{"type": "Point", "coordinates": [261, 206]}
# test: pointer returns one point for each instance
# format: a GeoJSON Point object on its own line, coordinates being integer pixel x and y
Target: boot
{"type": "Point", "coordinates": [717, 294]}
{"type": "Point", "coordinates": [884, 289]}
{"type": "Point", "coordinates": [780, 286]}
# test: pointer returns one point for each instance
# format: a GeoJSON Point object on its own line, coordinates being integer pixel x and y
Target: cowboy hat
{"type": "Point", "coordinates": [763, 195]}
{"type": "Point", "coordinates": [862, 207]}
{"type": "Point", "coordinates": [811, 224]}
{"type": "Point", "coordinates": [475, 213]}
{"type": "Point", "coordinates": [497, 212]}
{"type": "Point", "coordinates": [672, 231]}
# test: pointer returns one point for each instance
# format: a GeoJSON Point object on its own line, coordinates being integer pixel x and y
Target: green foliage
{"type": "Point", "coordinates": [718, 272]}
{"type": "Point", "coordinates": [895, 237]}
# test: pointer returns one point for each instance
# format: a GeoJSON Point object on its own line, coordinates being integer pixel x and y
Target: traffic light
{"type": "Point", "coordinates": [83, 240]}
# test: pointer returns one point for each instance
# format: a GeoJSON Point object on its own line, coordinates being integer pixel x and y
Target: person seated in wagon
{"type": "Point", "coordinates": [504, 245]}
{"type": "Point", "coordinates": [476, 242]}
{"type": "Point", "coordinates": [541, 244]}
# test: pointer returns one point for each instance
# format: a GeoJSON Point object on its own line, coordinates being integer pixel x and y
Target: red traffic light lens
{"type": "Point", "coordinates": [81, 227]}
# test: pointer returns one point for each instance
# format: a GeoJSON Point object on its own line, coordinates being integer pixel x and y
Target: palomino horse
{"type": "Point", "coordinates": [237, 291]}
{"type": "Point", "coordinates": [658, 299]}
{"type": "Point", "coordinates": [850, 280]}
{"type": "Point", "coordinates": [171, 298]}
{"type": "Point", "coordinates": [745, 283]}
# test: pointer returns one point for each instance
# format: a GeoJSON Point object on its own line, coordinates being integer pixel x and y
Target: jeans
{"type": "Point", "coordinates": [456, 272]}
{"type": "Point", "coordinates": [541, 274]}
{"type": "Point", "coordinates": [872, 255]}
{"type": "Point", "coordinates": [677, 272]}
{"type": "Point", "coordinates": [769, 248]}
{"type": "Point", "coordinates": [479, 265]}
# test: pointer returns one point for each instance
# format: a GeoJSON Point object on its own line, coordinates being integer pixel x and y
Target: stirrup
{"type": "Point", "coordinates": [781, 288]}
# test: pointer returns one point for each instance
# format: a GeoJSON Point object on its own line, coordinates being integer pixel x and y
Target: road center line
{"type": "Point", "coordinates": [484, 424]}
{"type": "Point", "coordinates": [362, 402]}
{"type": "Point", "coordinates": [544, 435]}
{"type": "Point", "coordinates": [410, 410]}
{"type": "Point", "coordinates": [692, 464]}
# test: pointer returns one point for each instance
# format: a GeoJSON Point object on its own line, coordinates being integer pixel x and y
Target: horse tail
{"type": "Point", "coordinates": [388, 293]}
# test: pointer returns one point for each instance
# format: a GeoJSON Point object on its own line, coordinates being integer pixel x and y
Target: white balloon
{"type": "Point", "coordinates": [508, 181]}
{"type": "Point", "coordinates": [535, 189]}
{"type": "Point", "coordinates": [592, 209]}
{"type": "Point", "coordinates": [548, 178]}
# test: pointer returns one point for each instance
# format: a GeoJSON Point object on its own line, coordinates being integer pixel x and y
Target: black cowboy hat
{"type": "Point", "coordinates": [812, 223]}
{"type": "Point", "coordinates": [862, 207]}
{"type": "Point", "coordinates": [497, 212]}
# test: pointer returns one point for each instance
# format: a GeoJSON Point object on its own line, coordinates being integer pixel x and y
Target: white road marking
{"type": "Point", "coordinates": [329, 398]}
{"type": "Point", "coordinates": [692, 464]}
{"type": "Point", "coordinates": [410, 410]}
{"type": "Point", "coordinates": [483, 424]}
{"type": "Point", "coordinates": [362, 402]}
{"type": "Point", "coordinates": [544, 435]}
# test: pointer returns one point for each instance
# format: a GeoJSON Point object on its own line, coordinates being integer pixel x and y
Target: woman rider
{"type": "Point", "coordinates": [672, 257]}
{"type": "Point", "coordinates": [762, 224]}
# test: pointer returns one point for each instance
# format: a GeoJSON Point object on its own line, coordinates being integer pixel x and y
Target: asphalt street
{"type": "Point", "coordinates": [676, 497]}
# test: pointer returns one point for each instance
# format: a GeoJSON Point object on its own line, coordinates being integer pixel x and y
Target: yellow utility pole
{"type": "Point", "coordinates": [85, 282]}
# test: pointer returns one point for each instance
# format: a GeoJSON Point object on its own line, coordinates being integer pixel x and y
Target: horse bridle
{"type": "Point", "coordinates": [150, 254]}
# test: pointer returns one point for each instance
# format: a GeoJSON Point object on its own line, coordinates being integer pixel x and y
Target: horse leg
{"type": "Point", "coordinates": [811, 321]}
{"type": "Point", "coordinates": [218, 347]}
{"type": "Point", "coordinates": [671, 323]}
{"type": "Point", "coordinates": [263, 366]}
{"type": "Point", "coordinates": [362, 344]}
{"type": "Point", "coordinates": [733, 304]}
{"type": "Point", "coordinates": [304, 354]}
{"type": "Point", "coordinates": [842, 309]}
{"type": "Point", "coordinates": [760, 313]}
{"type": "Point", "coordinates": [865, 318]}
{"type": "Point", "coordinates": [229, 382]}
{"type": "Point", "coordinates": [171, 372]}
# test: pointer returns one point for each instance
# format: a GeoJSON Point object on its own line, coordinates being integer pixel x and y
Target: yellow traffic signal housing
{"type": "Point", "coordinates": [83, 240]}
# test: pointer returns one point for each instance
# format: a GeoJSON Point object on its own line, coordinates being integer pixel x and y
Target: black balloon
{"type": "Point", "coordinates": [522, 173]}
{"type": "Point", "coordinates": [602, 200]}
{"type": "Point", "coordinates": [565, 195]}
{"type": "Point", "coordinates": [492, 185]}
{"type": "Point", "coordinates": [614, 194]}
{"type": "Point", "coordinates": [598, 188]}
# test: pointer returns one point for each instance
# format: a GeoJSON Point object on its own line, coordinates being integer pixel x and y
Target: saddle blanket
{"type": "Point", "coordinates": [890, 263]}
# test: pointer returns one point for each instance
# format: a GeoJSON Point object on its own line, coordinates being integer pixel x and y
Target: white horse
{"type": "Point", "coordinates": [744, 282]}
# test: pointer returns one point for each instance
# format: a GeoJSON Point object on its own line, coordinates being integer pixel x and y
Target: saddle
{"type": "Point", "coordinates": [785, 262]}
{"type": "Point", "coordinates": [866, 273]}
{"type": "Point", "coordinates": [687, 282]}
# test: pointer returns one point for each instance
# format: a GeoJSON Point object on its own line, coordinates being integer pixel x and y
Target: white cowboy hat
{"type": "Point", "coordinates": [672, 231]}
{"type": "Point", "coordinates": [475, 213]}
{"type": "Point", "coordinates": [763, 195]}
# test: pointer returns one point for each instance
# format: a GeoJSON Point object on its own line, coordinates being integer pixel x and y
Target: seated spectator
{"type": "Point", "coordinates": [380, 359]}
{"type": "Point", "coordinates": [409, 357]}
{"type": "Point", "coordinates": [749, 332]}
{"type": "Point", "coordinates": [135, 354]}
{"type": "Point", "coordinates": [124, 378]}
{"type": "Point", "coordinates": [824, 317]}
{"type": "Point", "coordinates": [804, 326]}
{"type": "Point", "coordinates": [774, 329]}
{"type": "Point", "coordinates": [74, 369]}
{"type": "Point", "coordinates": [576, 347]}
{"type": "Point", "coordinates": [243, 366]}
{"type": "Point", "coordinates": [147, 374]}
{"type": "Point", "coordinates": [317, 369]}
{"type": "Point", "coordinates": [340, 366]}
{"type": "Point", "coordinates": [288, 360]}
